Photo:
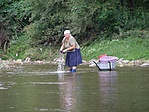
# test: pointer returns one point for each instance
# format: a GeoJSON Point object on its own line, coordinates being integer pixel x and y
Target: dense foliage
{"type": "Point", "coordinates": [31, 27]}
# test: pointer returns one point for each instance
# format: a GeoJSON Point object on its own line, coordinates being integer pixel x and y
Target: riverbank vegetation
{"type": "Point", "coordinates": [34, 28]}
{"type": "Point", "coordinates": [134, 47]}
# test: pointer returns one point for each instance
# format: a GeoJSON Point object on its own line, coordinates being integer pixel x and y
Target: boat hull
{"type": "Point", "coordinates": [107, 63]}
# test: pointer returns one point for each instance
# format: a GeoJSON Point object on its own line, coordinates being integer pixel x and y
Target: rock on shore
{"type": "Point", "coordinates": [8, 64]}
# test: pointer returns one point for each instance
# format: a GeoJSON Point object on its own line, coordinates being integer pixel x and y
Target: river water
{"type": "Point", "coordinates": [38, 88]}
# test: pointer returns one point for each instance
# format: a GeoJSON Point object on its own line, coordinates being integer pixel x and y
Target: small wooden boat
{"type": "Point", "coordinates": [106, 63]}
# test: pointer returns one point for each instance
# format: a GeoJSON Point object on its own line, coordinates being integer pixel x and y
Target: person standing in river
{"type": "Point", "coordinates": [72, 48]}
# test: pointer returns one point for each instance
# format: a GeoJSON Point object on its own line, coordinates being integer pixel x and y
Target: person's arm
{"type": "Point", "coordinates": [62, 47]}
{"type": "Point", "coordinates": [70, 48]}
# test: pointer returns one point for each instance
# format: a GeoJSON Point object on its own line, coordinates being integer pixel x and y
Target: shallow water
{"type": "Point", "coordinates": [40, 88]}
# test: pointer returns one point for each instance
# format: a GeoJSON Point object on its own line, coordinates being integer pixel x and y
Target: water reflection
{"type": "Point", "coordinates": [108, 89]}
{"type": "Point", "coordinates": [68, 92]}
{"type": "Point", "coordinates": [60, 76]}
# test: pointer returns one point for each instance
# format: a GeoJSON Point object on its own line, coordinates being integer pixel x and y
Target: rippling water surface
{"type": "Point", "coordinates": [39, 88]}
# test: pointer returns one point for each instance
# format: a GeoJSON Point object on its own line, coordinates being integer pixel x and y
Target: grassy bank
{"type": "Point", "coordinates": [130, 48]}
{"type": "Point", "coordinates": [132, 45]}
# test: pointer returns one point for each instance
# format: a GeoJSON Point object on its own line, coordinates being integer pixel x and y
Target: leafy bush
{"type": "Point", "coordinates": [14, 16]}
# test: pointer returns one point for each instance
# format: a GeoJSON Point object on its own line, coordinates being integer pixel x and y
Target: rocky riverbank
{"type": "Point", "coordinates": [8, 64]}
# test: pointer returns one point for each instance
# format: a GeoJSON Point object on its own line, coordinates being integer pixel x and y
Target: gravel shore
{"type": "Point", "coordinates": [8, 64]}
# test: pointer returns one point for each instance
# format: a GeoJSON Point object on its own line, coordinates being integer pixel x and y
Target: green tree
{"type": "Point", "coordinates": [15, 15]}
{"type": "Point", "coordinates": [40, 23]}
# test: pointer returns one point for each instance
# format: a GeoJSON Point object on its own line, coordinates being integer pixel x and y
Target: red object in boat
{"type": "Point", "coordinates": [103, 55]}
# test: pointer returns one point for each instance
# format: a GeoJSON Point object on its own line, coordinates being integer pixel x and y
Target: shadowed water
{"type": "Point", "coordinates": [40, 88]}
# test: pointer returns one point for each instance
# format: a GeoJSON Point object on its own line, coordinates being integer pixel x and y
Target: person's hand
{"type": "Point", "coordinates": [64, 51]}
{"type": "Point", "coordinates": [61, 51]}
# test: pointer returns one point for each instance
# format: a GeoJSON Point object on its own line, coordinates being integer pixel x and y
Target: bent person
{"type": "Point", "coordinates": [72, 48]}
